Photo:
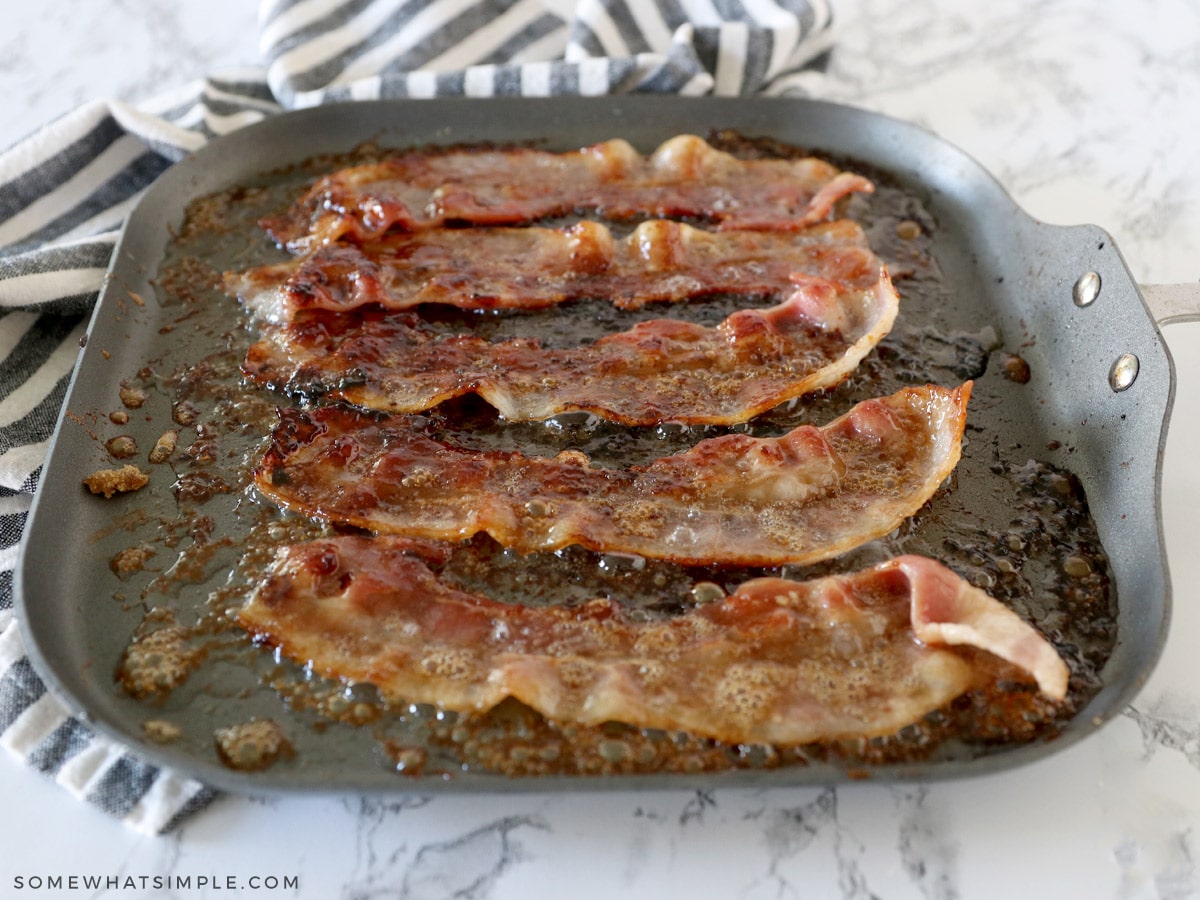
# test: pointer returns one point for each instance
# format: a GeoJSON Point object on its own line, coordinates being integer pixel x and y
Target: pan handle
{"type": "Point", "coordinates": [1172, 302]}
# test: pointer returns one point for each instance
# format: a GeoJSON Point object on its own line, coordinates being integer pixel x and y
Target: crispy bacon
{"type": "Point", "coordinates": [658, 371]}
{"type": "Point", "coordinates": [684, 177]}
{"type": "Point", "coordinates": [806, 496]}
{"type": "Point", "coordinates": [839, 304]}
{"type": "Point", "coordinates": [531, 268]}
{"type": "Point", "coordinates": [777, 661]}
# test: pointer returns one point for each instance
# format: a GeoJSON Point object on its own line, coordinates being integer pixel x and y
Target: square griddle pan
{"type": "Point", "coordinates": [1100, 392]}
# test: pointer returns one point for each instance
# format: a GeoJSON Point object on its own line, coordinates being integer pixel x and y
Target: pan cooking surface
{"type": "Point", "coordinates": [164, 567]}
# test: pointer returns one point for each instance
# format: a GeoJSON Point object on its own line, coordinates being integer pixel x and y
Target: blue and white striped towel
{"type": "Point", "coordinates": [65, 191]}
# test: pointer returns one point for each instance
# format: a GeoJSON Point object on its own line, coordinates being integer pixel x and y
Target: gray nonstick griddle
{"type": "Point", "coordinates": [1096, 403]}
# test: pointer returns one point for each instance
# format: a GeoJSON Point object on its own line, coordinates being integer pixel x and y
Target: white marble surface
{"type": "Point", "coordinates": [1087, 111]}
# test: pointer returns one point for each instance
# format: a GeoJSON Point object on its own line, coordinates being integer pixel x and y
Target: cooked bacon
{"type": "Point", "coordinates": [777, 661]}
{"type": "Point", "coordinates": [840, 303]}
{"type": "Point", "coordinates": [684, 177]}
{"type": "Point", "coordinates": [531, 268]}
{"type": "Point", "coordinates": [806, 496]}
{"type": "Point", "coordinates": [658, 371]}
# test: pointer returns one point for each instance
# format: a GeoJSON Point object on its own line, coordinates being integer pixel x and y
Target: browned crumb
{"type": "Point", "coordinates": [132, 397]}
{"type": "Point", "coordinates": [161, 732]}
{"type": "Point", "coordinates": [130, 560]}
{"type": "Point", "coordinates": [116, 481]}
{"type": "Point", "coordinates": [184, 413]}
{"type": "Point", "coordinates": [164, 447]}
{"type": "Point", "coordinates": [252, 746]}
{"type": "Point", "coordinates": [158, 659]}
{"type": "Point", "coordinates": [121, 447]}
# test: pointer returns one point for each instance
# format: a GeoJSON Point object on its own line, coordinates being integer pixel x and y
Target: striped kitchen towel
{"type": "Point", "coordinates": [65, 191]}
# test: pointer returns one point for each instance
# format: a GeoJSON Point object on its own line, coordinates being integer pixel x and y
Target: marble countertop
{"type": "Point", "coordinates": [1086, 112]}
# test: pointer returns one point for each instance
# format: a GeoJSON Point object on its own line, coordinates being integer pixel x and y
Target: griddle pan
{"type": "Point", "coordinates": [1096, 403]}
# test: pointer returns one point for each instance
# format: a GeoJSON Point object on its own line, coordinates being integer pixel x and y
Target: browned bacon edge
{"type": "Point", "coordinates": [534, 268]}
{"type": "Point", "coordinates": [777, 661]}
{"type": "Point", "coordinates": [684, 177]}
{"type": "Point", "coordinates": [806, 496]}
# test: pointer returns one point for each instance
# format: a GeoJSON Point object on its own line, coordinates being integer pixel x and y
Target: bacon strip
{"type": "Point", "coordinates": [806, 496]}
{"type": "Point", "coordinates": [841, 304]}
{"type": "Point", "coordinates": [657, 371]}
{"type": "Point", "coordinates": [683, 177]}
{"type": "Point", "coordinates": [532, 268]}
{"type": "Point", "coordinates": [777, 661]}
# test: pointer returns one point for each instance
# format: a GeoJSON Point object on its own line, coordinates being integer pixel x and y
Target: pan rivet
{"type": "Point", "coordinates": [1087, 289]}
{"type": "Point", "coordinates": [1123, 372]}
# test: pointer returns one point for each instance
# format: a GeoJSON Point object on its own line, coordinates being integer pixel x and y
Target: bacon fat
{"type": "Point", "coordinates": [806, 496]}
{"type": "Point", "coordinates": [684, 177]}
{"type": "Point", "coordinates": [777, 661]}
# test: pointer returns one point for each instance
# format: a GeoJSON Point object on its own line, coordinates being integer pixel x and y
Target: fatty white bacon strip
{"type": "Point", "coordinates": [777, 661]}
{"type": "Point", "coordinates": [658, 371]}
{"type": "Point", "coordinates": [534, 268]}
{"type": "Point", "coordinates": [806, 496]}
{"type": "Point", "coordinates": [684, 177]}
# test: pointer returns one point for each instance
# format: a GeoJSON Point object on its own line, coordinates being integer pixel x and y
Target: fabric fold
{"type": "Point", "coordinates": [327, 50]}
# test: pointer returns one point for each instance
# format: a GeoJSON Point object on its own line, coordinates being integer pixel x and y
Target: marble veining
{"type": "Point", "coordinates": [927, 849]}
{"type": "Point", "coordinates": [1084, 111]}
{"type": "Point", "coordinates": [1169, 722]}
{"type": "Point", "coordinates": [791, 831]}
